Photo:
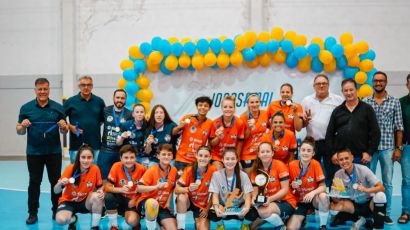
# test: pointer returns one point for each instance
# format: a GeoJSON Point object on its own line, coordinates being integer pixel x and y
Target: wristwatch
{"type": "Point", "coordinates": [400, 147]}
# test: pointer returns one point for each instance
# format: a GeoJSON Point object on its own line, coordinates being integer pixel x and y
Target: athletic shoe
{"type": "Point", "coordinates": [31, 219]}
{"type": "Point", "coordinates": [72, 226]}
{"type": "Point", "coordinates": [388, 220]}
{"type": "Point", "coordinates": [220, 227]}
{"type": "Point", "coordinates": [245, 227]}
{"type": "Point", "coordinates": [358, 224]}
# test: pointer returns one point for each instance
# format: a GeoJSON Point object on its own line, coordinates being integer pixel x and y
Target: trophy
{"type": "Point", "coordinates": [261, 180]}
{"type": "Point", "coordinates": [230, 208]}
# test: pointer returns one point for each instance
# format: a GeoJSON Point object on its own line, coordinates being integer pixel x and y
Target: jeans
{"type": "Point", "coordinates": [73, 154]}
{"type": "Point", "coordinates": [405, 183]}
{"type": "Point", "coordinates": [386, 164]}
{"type": "Point", "coordinates": [35, 165]}
{"type": "Point", "coordinates": [105, 162]}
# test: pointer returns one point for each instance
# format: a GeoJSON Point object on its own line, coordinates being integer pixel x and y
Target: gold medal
{"type": "Point", "coordinates": [117, 129]}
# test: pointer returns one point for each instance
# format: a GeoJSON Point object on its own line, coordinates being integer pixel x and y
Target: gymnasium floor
{"type": "Point", "coordinates": [13, 205]}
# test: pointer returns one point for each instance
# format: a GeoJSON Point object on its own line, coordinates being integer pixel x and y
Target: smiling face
{"type": "Point", "coordinates": [321, 86]}
{"type": "Point", "coordinates": [128, 159]}
{"type": "Point", "coordinates": [265, 153]}
{"type": "Point", "coordinates": [278, 123]}
{"type": "Point", "coordinates": [228, 108]}
{"type": "Point", "coordinates": [42, 91]}
{"type": "Point", "coordinates": [119, 99]}
{"type": "Point", "coordinates": [203, 108]}
{"type": "Point", "coordinates": [230, 160]}
{"type": "Point", "coordinates": [286, 93]}
{"type": "Point", "coordinates": [138, 113]}
{"type": "Point", "coordinates": [306, 152]}
{"type": "Point", "coordinates": [379, 82]}
{"type": "Point", "coordinates": [345, 160]}
{"type": "Point", "coordinates": [159, 115]}
{"type": "Point", "coordinates": [165, 156]}
{"type": "Point", "coordinates": [203, 156]}
{"type": "Point", "coordinates": [254, 103]}
{"type": "Point", "coordinates": [86, 159]}
{"type": "Point", "coordinates": [349, 92]}
{"type": "Point", "coordinates": [86, 86]}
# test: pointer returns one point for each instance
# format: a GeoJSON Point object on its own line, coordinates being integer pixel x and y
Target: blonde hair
{"type": "Point", "coordinates": [230, 98]}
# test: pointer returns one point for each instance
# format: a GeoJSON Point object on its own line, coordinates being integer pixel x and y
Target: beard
{"type": "Point", "coordinates": [380, 90]}
{"type": "Point", "coordinates": [119, 105]}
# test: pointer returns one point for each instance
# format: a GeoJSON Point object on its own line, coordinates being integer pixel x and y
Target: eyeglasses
{"type": "Point", "coordinates": [321, 83]}
{"type": "Point", "coordinates": [86, 85]}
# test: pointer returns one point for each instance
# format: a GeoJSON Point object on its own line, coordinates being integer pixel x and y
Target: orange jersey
{"type": "Point", "coordinates": [200, 196]}
{"type": "Point", "coordinates": [278, 172]}
{"type": "Point", "coordinates": [287, 111]}
{"type": "Point", "coordinates": [231, 135]}
{"type": "Point", "coordinates": [285, 143]}
{"type": "Point", "coordinates": [310, 181]}
{"type": "Point", "coordinates": [88, 182]}
{"type": "Point", "coordinates": [194, 135]}
{"type": "Point", "coordinates": [251, 144]}
{"type": "Point", "coordinates": [151, 177]}
{"type": "Point", "coordinates": [118, 177]}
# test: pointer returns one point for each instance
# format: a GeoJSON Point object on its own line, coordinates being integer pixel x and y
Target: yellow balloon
{"type": "Point", "coordinates": [318, 41]}
{"type": "Point", "coordinates": [331, 67]}
{"type": "Point", "coordinates": [144, 95]}
{"type": "Point", "coordinates": [236, 58]}
{"type": "Point", "coordinates": [362, 47]}
{"type": "Point", "coordinates": [276, 34]}
{"type": "Point", "coordinates": [350, 50]}
{"type": "Point", "coordinates": [184, 61]}
{"type": "Point", "coordinates": [185, 40]}
{"type": "Point", "coordinates": [279, 57]}
{"type": "Point", "coordinates": [152, 67]}
{"type": "Point", "coordinates": [135, 52]}
{"type": "Point", "coordinates": [172, 40]}
{"type": "Point", "coordinates": [210, 59]}
{"type": "Point", "coordinates": [143, 82]}
{"type": "Point", "coordinates": [250, 37]}
{"type": "Point", "coordinates": [304, 64]}
{"type": "Point", "coordinates": [360, 77]}
{"type": "Point", "coordinates": [325, 57]}
{"type": "Point", "coordinates": [365, 91]}
{"type": "Point", "coordinates": [156, 57]}
{"type": "Point", "coordinates": [171, 63]}
{"type": "Point", "coordinates": [263, 36]}
{"type": "Point", "coordinates": [147, 107]}
{"type": "Point", "coordinates": [121, 83]}
{"type": "Point", "coordinates": [198, 61]}
{"type": "Point", "coordinates": [366, 65]}
{"type": "Point", "coordinates": [346, 38]}
{"type": "Point", "coordinates": [126, 64]}
{"type": "Point", "coordinates": [222, 38]}
{"type": "Point", "coordinates": [290, 35]}
{"type": "Point", "coordinates": [252, 64]}
{"type": "Point", "coordinates": [353, 61]}
{"type": "Point", "coordinates": [240, 42]}
{"type": "Point", "coordinates": [300, 40]}
{"type": "Point", "coordinates": [222, 60]}
{"type": "Point", "coordinates": [264, 59]}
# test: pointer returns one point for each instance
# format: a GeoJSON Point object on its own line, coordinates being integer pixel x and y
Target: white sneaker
{"type": "Point", "coordinates": [358, 224]}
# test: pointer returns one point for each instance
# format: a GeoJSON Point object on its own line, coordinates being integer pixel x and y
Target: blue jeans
{"type": "Point", "coordinates": [405, 183]}
{"type": "Point", "coordinates": [105, 162]}
{"type": "Point", "coordinates": [387, 165]}
{"type": "Point", "coordinates": [74, 153]}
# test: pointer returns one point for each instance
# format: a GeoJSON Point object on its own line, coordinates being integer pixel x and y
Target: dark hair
{"type": "Point", "coordinates": [408, 77]}
{"type": "Point", "coordinates": [151, 121]}
{"type": "Point", "coordinates": [321, 75]}
{"type": "Point", "coordinates": [342, 150]}
{"type": "Point", "coordinates": [165, 147]}
{"type": "Point", "coordinates": [194, 164]}
{"type": "Point", "coordinates": [288, 85]}
{"type": "Point", "coordinates": [83, 147]}
{"type": "Point", "coordinates": [127, 148]}
{"type": "Point", "coordinates": [41, 80]}
{"type": "Point", "coordinates": [237, 167]}
{"type": "Point", "coordinates": [257, 164]}
{"type": "Point", "coordinates": [278, 113]}
{"type": "Point", "coordinates": [119, 90]}
{"type": "Point", "coordinates": [308, 140]}
{"type": "Point", "coordinates": [348, 80]}
{"type": "Point", "coordinates": [203, 99]}
{"type": "Point", "coordinates": [382, 73]}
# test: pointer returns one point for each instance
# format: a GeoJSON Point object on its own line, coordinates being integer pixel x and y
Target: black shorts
{"type": "Point", "coordinates": [74, 207]}
{"type": "Point", "coordinates": [286, 210]}
{"type": "Point", "coordinates": [119, 202]}
{"type": "Point", "coordinates": [163, 213]}
{"type": "Point", "coordinates": [362, 209]}
{"type": "Point", "coordinates": [247, 163]}
{"type": "Point", "coordinates": [303, 208]}
{"type": "Point", "coordinates": [213, 217]}
{"type": "Point", "coordinates": [195, 210]}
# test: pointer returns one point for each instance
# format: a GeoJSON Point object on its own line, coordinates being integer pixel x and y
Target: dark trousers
{"type": "Point", "coordinates": [322, 153]}
{"type": "Point", "coordinates": [35, 165]}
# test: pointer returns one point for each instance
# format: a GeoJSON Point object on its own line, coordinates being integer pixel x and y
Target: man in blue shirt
{"type": "Point", "coordinates": [42, 119]}
{"type": "Point", "coordinates": [86, 114]}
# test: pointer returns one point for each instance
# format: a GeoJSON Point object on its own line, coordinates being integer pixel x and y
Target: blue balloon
{"type": "Point", "coordinates": [248, 54]}
{"type": "Point", "coordinates": [145, 48]}
{"type": "Point", "coordinates": [317, 65]}
{"type": "Point", "coordinates": [337, 51]}
{"type": "Point", "coordinates": [287, 46]}
{"type": "Point", "coordinates": [131, 88]}
{"type": "Point", "coordinates": [131, 58]}
{"type": "Point", "coordinates": [300, 52]}
{"type": "Point", "coordinates": [329, 43]}
{"type": "Point", "coordinates": [129, 75]}
{"type": "Point", "coordinates": [203, 46]}
{"type": "Point", "coordinates": [369, 55]}
{"type": "Point", "coordinates": [273, 46]}
{"type": "Point", "coordinates": [156, 43]}
{"type": "Point", "coordinates": [140, 66]}
{"type": "Point", "coordinates": [130, 100]}
{"type": "Point", "coordinates": [164, 69]}
{"type": "Point", "coordinates": [165, 47]}
{"type": "Point", "coordinates": [341, 62]}
{"type": "Point", "coordinates": [291, 61]}
{"type": "Point", "coordinates": [190, 48]}
{"type": "Point", "coordinates": [177, 49]}
{"type": "Point", "coordinates": [260, 48]}
{"type": "Point", "coordinates": [228, 45]}
{"type": "Point", "coordinates": [350, 72]}
{"type": "Point", "coordinates": [370, 76]}
{"type": "Point", "coordinates": [215, 45]}
{"type": "Point", "coordinates": [313, 50]}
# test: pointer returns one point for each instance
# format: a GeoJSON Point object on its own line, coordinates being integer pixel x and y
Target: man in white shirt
{"type": "Point", "coordinates": [318, 107]}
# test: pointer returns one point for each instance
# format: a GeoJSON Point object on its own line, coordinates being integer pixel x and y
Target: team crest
{"type": "Point", "coordinates": [223, 188]}
{"type": "Point", "coordinates": [233, 136]}
{"type": "Point", "coordinates": [73, 193]}
{"type": "Point", "coordinates": [193, 129]}
{"type": "Point", "coordinates": [272, 179]}
{"type": "Point", "coordinates": [204, 133]}
{"type": "Point", "coordinates": [167, 138]}
{"type": "Point", "coordinates": [310, 180]}
{"type": "Point", "coordinates": [122, 182]}
{"type": "Point", "coordinates": [285, 148]}
{"type": "Point", "coordinates": [290, 116]}
{"type": "Point", "coordinates": [264, 124]}
{"type": "Point", "coordinates": [89, 184]}
{"type": "Point", "coordinates": [110, 118]}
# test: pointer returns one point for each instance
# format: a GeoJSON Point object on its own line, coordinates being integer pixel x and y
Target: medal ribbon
{"type": "Point", "coordinates": [280, 135]}
{"type": "Point", "coordinates": [129, 178]}
{"type": "Point", "coordinates": [154, 130]}
{"type": "Point", "coordinates": [199, 175]}
{"type": "Point", "coordinates": [164, 179]}
{"type": "Point", "coordinates": [233, 181]}
{"type": "Point", "coordinates": [232, 121]}
{"type": "Point", "coordinates": [117, 121]}
{"type": "Point", "coordinates": [353, 178]}
{"type": "Point", "coordinates": [46, 122]}
{"type": "Point", "coordinates": [303, 172]}
{"type": "Point", "coordinates": [78, 173]}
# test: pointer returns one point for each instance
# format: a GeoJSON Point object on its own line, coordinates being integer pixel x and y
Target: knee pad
{"type": "Point", "coordinates": [380, 197]}
{"type": "Point", "coordinates": [110, 201]}
{"type": "Point", "coordinates": [151, 209]}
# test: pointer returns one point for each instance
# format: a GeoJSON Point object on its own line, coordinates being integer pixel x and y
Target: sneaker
{"type": "Point", "coordinates": [388, 220]}
{"type": "Point", "coordinates": [323, 227]}
{"type": "Point", "coordinates": [72, 226]}
{"type": "Point", "coordinates": [31, 219]}
{"type": "Point", "coordinates": [358, 224]}
{"type": "Point", "coordinates": [220, 227]}
{"type": "Point", "coordinates": [245, 227]}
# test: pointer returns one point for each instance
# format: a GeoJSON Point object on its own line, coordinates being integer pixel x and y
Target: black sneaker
{"type": "Point", "coordinates": [339, 220]}
{"type": "Point", "coordinates": [31, 219]}
{"type": "Point", "coordinates": [72, 226]}
{"type": "Point", "coordinates": [388, 220]}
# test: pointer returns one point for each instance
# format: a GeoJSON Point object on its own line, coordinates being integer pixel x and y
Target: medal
{"type": "Point", "coordinates": [128, 133]}
{"type": "Point", "coordinates": [130, 184]}
{"type": "Point", "coordinates": [277, 142]}
{"type": "Point", "coordinates": [198, 182]}
{"type": "Point", "coordinates": [117, 129]}
{"type": "Point", "coordinates": [71, 180]}
{"type": "Point", "coordinates": [299, 182]}
{"type": "Point", "coordinates": [355, 186]}
{"type": "Point", "coordinates": [187, 120]}
{"type": "Point", "coordinates": [289, 102]}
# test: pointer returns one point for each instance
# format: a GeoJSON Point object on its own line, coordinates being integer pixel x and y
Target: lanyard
{"type": "Point", "coordinates": [269, 168]}
{"type": "Point", "coordinates": [154, 130]}
{"type": "Point", "coordinates": [198, 173]}
{"type": "Point", "coordinates": [163, 179]}
{"type": "Point", "coordinates": [232, 121]}
{"type": "Point", "coordinates": [129, 178]}
{"type": "Point", "coordinates": [233, 181]}
{"type": "Point", "coordinates": [353, 178]}
{"type": "Point", "coordinates": [280, 135]}
{"type": "Point", "coordinates": [78, 173]}
{"type": "Point", "coordinates": [46, 122]}
{"type": "Point", "coordinates": [251, 115]}
{"type": "Point", "coordinates": [303, 172]}
{"type": "Point", "coordinates": [117, 121]}
{"type": "Point", "coordinates": [199, 120]}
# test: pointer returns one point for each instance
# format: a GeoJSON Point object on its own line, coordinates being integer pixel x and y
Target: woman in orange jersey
{"type": "Point", "coordinates": [195, 132]}
{"type": "Point", "coordinates": [283, 140]}
{"type": "Point", "coordinates": [255, 121]}
{"type": "Point", "coordinates": [279, 202]}
{"type": "Point", "coordinates": [156, 187]}
{"type": "Point", "coordinates": [293, 112]}
{"type": "Point", "coordinates": [308, 185]}
{"type": "Point", "coordinates": [227, 130]}
{"type": "Point", "coordinates": [121, 188]}
{"type": "Point", "coordinates": [78, 183]}
{"type": "Point", "coordinates": [192, 190]}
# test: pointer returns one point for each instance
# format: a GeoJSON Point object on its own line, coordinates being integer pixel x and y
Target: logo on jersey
{"type": "Point", "coordinates": [223, 188]}
{"type": "Point", "coordinates": [272, 179]}
{"type": "Point", "coordinates": [310, 180]}
{"type": "Point", "coordinates": [233, 136]}
{"type": "Point", "coordinates": [285, 148]}
{"type": "Point", "coordinates": [89, 184]}
{"type": "Point", "coordinates": [122, 182]}
{"type": "Point", "coordinates": [204, 133]}
{"type": "Point", "coordinates": [264, 124]}
{"type": "Point", "coordinates": [193, 129]}
{"type": "Point", "coordinates": [290, 116]}
{"type": "Point", "coordinates": [110, 118]}
{"type": "Point", "coordinates": [167, 138]}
